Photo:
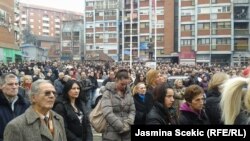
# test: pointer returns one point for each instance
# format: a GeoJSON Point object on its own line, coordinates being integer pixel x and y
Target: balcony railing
{"type": "Point", "coordinates": [241, 32]}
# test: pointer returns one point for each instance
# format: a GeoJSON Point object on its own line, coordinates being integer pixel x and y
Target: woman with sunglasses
{"type": "Point", "coordinates": [74, 112]}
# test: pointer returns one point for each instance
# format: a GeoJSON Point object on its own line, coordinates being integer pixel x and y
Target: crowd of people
{"type": "Point", "coordinates": [52, 100]}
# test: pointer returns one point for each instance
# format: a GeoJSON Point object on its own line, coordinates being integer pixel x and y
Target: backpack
{"type": "Point", "coordinates": [97, 118]}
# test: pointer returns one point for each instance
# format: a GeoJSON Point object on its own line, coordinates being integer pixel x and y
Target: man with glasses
{"type": "Point", "coordinates": [38, 122]}
{"type": "Point", "coordinates": [11, 103]}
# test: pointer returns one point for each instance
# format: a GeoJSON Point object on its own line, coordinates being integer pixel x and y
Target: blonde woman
{"type": "Point", "coordinates": [214, 96]}
{"type": "Point", "coordinates": [179, 91]}
{"type": "Point", "coordinates": [143, 102]}
{"type": "Point", "coordinates": [235, 102]}
{"type": "Point", "coordinates": [153, 78]}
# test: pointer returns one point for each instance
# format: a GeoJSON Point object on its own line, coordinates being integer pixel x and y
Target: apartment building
{"type": "Point", "coordinates": [72, 40]}
{"type": "Point", "coordinates": [46, 25]}
{"type": "Point", "coordinates": [214, 32]}
{"type": "Point", "coordinates": [102, 26]}
{"type": "Point", "coordinates": [131, 28]}
{"type": "Point", "coordinates": [9, 37]}
{"type": "Point", "coordinates": [241, 19]}
{"type": "Point", "coordinates": [148, 29]}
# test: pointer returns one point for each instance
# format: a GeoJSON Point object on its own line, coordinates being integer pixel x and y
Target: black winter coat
{"type": "Point", "coordinates": [191, 118]}
{"type": "Point", "coordinates": [6, 113]}
{"type": "Point", "coordinates": [142, 108]}
{"type": "Point", "coordinates": [212, 107]}
{"type": "Point", "coordinates": [159, 115]}
{"type": "Point", "coordinates": [76, 130]}
{"type": "Point", "coordinates": [243, 118]}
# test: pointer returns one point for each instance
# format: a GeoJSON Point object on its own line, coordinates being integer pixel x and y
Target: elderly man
{"type": "Point", "coordinates": [39, 122]}
{"type": "Point", "coordinates": [11, 103]}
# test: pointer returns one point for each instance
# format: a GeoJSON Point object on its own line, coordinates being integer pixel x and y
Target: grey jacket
{"type": "Point", "coordinates": [28, 127]}
{"type": "Point", "coordinates": [119, 112]}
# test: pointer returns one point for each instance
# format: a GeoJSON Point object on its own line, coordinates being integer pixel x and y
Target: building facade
{"type": "Point", "coordinates": [148, 29]}
{"type": "Point", "coordinates": [9, 37]}
{"type": "Point", "coordinates": [214, 32]}
{"type": "Point", "coordinates": [131, 29]}
{"type": "Point", "coordinates": [72, 40]}
{"type": "Point", "coordinates": [102, 25]}
{"type": "Point", "coordinates": [46, 25]}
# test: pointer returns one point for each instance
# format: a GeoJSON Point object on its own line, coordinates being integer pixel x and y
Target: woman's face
{"type": "Point", "coordinates": [74, 91]}
{"type": "Point", "coordinates": [159, 79]}
{"type": "Point", "coordinates": [122, 84]}
{"type": "Point", "coordinates": [179, 83]}
{"type": "Point", "coordinates": [141, 78]}
{"type": "Point", "coordinates": [197, 103]}
{"type": "Point", "coordinates": [169, 98]}
{"type": "Point", "coordinates": [141, 89]}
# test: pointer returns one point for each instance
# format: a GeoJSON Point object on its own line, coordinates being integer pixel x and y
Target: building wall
{"type": "Point", "coordinates": [7, 38]}
{"type": "Point", "coordinates": [9, 50]}
{"type": "Point", "coordinates": [45, 21]}
{"type": "Point", "coordinates": [169, 26]}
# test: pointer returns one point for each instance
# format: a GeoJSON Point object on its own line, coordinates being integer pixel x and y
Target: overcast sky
{"type": "Point", "coordinates": [72, 5]}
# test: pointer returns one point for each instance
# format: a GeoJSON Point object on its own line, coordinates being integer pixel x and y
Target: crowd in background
{"type": "Point", "coordinates": [134, 94]}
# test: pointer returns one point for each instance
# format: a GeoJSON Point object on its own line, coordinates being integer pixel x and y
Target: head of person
{"type": "Point", "coordinates": [122, 79]}
{"type": "Point", "coordinates": [139, 88]}
{"type": "Point", "coordinates": [112, 75]}
{"type": "Point", "coordinates": [194, 96]}
{"type": "Point", "coordinates": [235, 96]}
{"type": "Point", "coordinates": [153, 77]}
{"type": "Point", "coordinates": [9, 85]}
{"type": "Point", "coordinates": [164, 94]}
{"type": "Point", "coordinates": [61, 75]}
{"type": "Point", "coordinates": [246, 72]}
{"type": "Point", "coordinates": [178, 83]}
{"type": "Point", "coordinates": [27, 79]}
{"type": "Point", "coordinates": [217, 80]}
{"type": "Point", "coordinates": [71, 90]}
{"type": "Point", "coordinates": [42, 95]}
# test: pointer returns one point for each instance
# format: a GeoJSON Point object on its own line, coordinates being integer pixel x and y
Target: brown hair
{"type": "Point", "coordinates": [192, 91]}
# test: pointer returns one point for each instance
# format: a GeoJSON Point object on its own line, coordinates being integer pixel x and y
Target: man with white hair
{"type": "Point", "coordinates": [39, 122]}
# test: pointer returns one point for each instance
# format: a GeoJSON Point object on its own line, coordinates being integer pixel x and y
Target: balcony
{"type": "Point", "coordinates": [45, 25]}
{"type": "Point", "coordinates": [241, 32]}
{"type": "Point", "coordinates": [57, 20]}
{"type": "Point", "coordinates": [241, 47]}
{"type": "Point", "coordinates": [45, 19]}
{"type": "Point", "coordinates": [240, 1]}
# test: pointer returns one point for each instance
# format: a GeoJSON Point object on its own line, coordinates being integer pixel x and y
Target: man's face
{"type": "Point", "coordinates": [10, 88]}
{"type": "Point", "coordinates": [45, 98]}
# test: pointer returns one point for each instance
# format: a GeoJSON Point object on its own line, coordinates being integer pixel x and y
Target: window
{"type": "Point", "coordinates": [203, 10]}
{"type": "Point", "coordinates": [144, 25]}
{"type": "Point", "coordinates": [187, 42]}
{"type": "Point", "coordinates": [144, 12]}
{"type": "Point", "coordinates": [203, 26]}
{"type": "Point", "coordinates": [204, 41]}
{"type": "Point", "coordinates": [187, 27]}
{"type": "Point", "coordinates": [187, 12]}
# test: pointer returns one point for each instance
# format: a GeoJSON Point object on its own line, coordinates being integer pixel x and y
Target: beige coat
{"type": "Point", "coordinates": [119, 112]}
{"type": "Point", "coordinates": [28, 127]}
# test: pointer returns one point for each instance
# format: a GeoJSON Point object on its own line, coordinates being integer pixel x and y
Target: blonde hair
{"type": "Point", "coordinates": [151, 75]}
{"type": "Point", "coordinates": [136, 88]}
{"type": "Point", "coordinates": [217, 79]}
{"type": "Point", "coordinates": [231, 101]}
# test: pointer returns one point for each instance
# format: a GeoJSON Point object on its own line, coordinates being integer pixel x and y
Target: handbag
{"type": "Point", "coordinates": [97, 118]}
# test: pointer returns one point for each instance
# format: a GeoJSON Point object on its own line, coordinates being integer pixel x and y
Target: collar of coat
{"type": "Point", "coordinates": [32, 116]}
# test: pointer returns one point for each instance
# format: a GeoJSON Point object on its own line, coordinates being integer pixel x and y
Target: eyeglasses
{"type": "Point", "coordinates": [47, 93]}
